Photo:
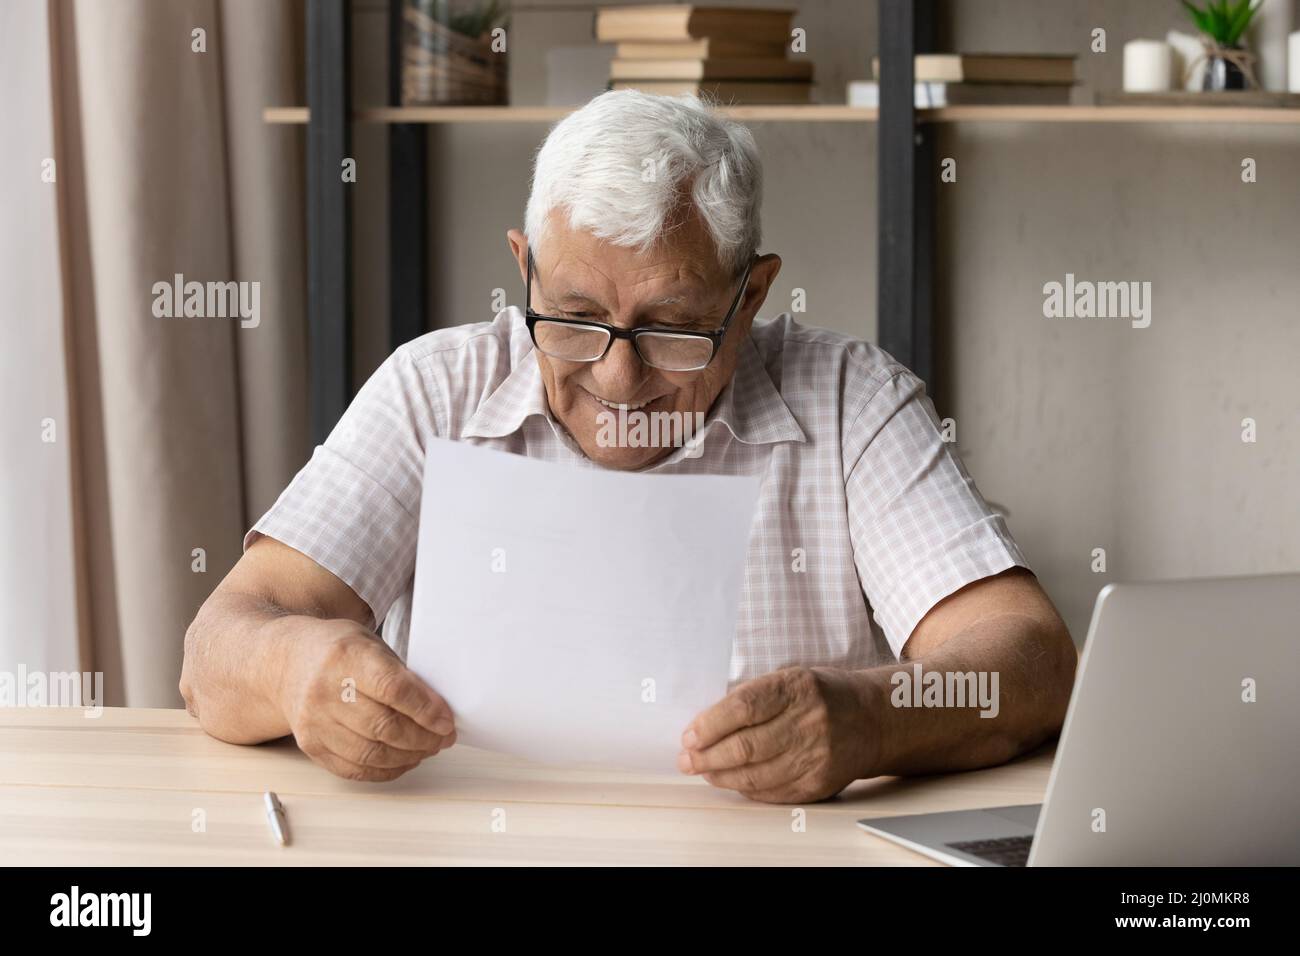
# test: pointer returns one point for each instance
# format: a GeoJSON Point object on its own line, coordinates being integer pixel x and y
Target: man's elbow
{"type": "Point", "coordinates": [197, 660]}
{"type": "Point", "coordinates": [1049, 681]}
{"type": "Point", "coordinates": [1065, 661]}
{"type": "Point", "coordinates": [1055, 680]}
{"type": "Point", "coordinates": [189, 683]}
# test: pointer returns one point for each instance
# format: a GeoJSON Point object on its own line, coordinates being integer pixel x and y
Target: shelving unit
{"type": "Point", "coordinates": [905, 165]}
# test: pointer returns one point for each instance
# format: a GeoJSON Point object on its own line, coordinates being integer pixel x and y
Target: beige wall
{"type": "Point", "coordinates": [1090, 433]}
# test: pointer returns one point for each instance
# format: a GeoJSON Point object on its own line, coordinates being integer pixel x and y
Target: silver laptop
{"type": "Point", "coordinates": [1181, 745]}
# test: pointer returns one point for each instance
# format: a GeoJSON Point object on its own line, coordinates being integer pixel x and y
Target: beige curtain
{"type": "Point", "coordinates": [183, 430]}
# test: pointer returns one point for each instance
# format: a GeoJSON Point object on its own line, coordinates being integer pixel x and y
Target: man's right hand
{"type": "Point", "coordinates": [353, 706]}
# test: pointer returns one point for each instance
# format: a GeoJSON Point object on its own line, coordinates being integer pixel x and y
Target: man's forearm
{"type": "Point", "coordinates": [234, 655]}
{"type": "Point", "coordinates": [1034, 670]}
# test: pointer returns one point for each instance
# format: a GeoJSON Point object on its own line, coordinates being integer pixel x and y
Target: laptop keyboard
{"type": "Point", "coordinates": [1008, 851]}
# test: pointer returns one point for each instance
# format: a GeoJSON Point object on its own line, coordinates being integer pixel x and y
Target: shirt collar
{"type": "Point", "coordinates": [519, 397]}
{"type": "Point", "coordinates": [750, 407]}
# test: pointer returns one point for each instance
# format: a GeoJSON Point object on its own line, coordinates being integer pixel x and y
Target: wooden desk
{"type": "Point", "coordinates": [123, 790]}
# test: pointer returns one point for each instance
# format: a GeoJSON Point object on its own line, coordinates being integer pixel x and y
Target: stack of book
{"type": "Point", "coordinates": [729, 54]}
{"type": "Point", "coordinates": [954, 79]}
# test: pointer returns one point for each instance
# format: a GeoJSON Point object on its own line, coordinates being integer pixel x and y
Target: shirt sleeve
{"type": "Point", "coordinates": [920, 528]}
{"type": "Point", "coordinates": [354, 507]}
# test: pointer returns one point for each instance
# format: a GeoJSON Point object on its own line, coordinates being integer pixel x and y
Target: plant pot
{"type": "Point", "coordinates": [444, 67]}
{"type": "Point", "coordinates": [1222, 73]}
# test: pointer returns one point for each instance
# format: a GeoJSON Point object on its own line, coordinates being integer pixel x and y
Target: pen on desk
{"type": "Point", "coordinates": [275, 816]}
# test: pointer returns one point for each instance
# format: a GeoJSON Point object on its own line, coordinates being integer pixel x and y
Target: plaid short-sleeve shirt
{"type": "Point", "coordinates": [865, 520]}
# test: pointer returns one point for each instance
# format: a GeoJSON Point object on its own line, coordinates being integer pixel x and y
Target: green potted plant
{"type": "Point", "coordinates": [1222, 24]}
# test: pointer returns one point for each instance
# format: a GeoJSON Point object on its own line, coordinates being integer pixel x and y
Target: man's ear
{"type": "Point", "coordinates": [519, 249]}
{"type": "Point", "coordinates": [761, 277]}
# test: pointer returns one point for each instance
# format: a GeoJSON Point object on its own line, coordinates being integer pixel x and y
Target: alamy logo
{"type": "Point", "coordinates": [24, 688]}
{"type": "Point", "coordinates": [637, 429]}
{"type": "Point", "coordinates": [103, 909]}
{"type": "Point", "coordinates": [946, 689]}
{"type": "Point", "coordinates": [208, 300]}
{"type": "Point", "coordinates": [1098, 300]}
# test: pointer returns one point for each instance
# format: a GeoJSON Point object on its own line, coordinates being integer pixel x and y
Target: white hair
{"type": "Point", "coordinates": [622, 165]}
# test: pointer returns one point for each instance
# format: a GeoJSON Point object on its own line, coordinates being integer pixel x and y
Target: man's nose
{"type": "Point", "coordinates": [620, 372]}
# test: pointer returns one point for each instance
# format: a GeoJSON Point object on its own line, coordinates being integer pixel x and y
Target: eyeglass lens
{"type": "Point", "coordinates": [663, 350]}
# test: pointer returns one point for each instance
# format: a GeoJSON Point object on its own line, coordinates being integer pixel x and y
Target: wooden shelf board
{"type": "Point", "coordinates": [1109, 114]}
{"type": "Point", "coordinates": [835, 113]}
{"type": "Point", "coordinates": [548, 114]}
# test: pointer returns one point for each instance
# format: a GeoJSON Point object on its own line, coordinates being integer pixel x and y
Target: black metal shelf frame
{"type": "Point", "coordinates": [904, 217]}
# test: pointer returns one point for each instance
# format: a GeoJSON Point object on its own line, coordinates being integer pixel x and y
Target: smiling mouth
{"type": "Point", "coordinates": [622, 406]}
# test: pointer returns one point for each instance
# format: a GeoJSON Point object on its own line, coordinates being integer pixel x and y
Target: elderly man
{"type": "Point", "coordinates": [871, 552]}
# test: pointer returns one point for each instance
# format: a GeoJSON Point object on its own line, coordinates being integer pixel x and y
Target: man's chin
{"type": "Point", "coordinates": [623, 459]}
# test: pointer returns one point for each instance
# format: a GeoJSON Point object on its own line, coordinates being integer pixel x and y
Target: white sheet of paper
{"type": "Point", "coordinates": [572, 614]}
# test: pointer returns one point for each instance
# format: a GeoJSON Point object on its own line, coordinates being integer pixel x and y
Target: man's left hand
{"type": "Point", "coordinates": [792, 736]}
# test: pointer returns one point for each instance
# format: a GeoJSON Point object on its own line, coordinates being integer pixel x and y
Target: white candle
{"type": "Point", "coordinates": [1293, 62]}
{"type": "Point", "coordinates": [1266, 38]}
{"type": "Point", "coordinates": [1148, 66]}
{"type": "Point", "coordinates": [1188, 50]}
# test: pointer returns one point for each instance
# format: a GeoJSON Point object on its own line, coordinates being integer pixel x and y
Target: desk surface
{"type": "Point", "coordinates": [131, 787]}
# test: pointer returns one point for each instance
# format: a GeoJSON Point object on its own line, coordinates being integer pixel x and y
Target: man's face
{"type": "Point", "coordinates": [678, 285]}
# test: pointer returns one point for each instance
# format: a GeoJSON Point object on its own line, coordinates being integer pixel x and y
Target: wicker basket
{"type": "Point", "coordinates": [441, 67]}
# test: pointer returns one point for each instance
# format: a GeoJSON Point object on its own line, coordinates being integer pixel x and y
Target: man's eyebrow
{"type": "Point", "coordinates": [580, 295]}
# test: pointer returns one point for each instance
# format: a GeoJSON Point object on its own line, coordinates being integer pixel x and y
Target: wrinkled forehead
{"type": "Point", "coordinates": [680, 269]}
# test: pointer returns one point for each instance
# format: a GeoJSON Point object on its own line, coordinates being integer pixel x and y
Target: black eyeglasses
{"type": "Point", "coordinates": [585, 340]}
